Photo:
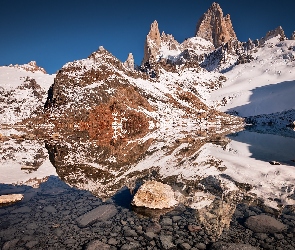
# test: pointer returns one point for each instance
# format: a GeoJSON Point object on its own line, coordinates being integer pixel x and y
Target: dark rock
{"type": "Point", "coordinates": [10, 244]}
{"type": "Point", "coordinates": [166, 221]}
{"type": "Point", "coordinates": [264, 224]}
{"type": "Point", "coordinates": [101, 213]}
{"type": "Point", "coordinates": [130, 233]}
{"type": "Point", "coordinates": [155, 228]}
{"type": "Point", "coordinates": [131, 246]}
{"type": "Point", "coordinates": [97, 245]}
{"type": "Point", "coordinates": [184, 246]}
{"type": "Point", "coordinates": [50, 209]}
{"type": "Point", "coordinates": [24, 209]}
{"type": "Point", "coordinates": [31, 244]}
{"type": "Point", "coordinates": [201, 246]}
{"type": "Point", "coordinates": [149, 235]}
{"type": "Point", "coordinates": [232, 246]}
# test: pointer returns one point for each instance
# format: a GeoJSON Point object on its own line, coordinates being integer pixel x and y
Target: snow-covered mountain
{"type": "Point", "coordinates": [165, 119]}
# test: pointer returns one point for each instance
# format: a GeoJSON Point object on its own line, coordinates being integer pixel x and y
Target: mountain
{"type": "Point", "coordinates": [107, 123]}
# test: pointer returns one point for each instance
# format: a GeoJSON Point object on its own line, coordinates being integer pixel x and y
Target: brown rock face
{"type": "Point", "coordinates": [129, 63]}
{"type": "Point", "coordinates": [152, 43]}
{"type": "Point", "coordinates": [214, 27]}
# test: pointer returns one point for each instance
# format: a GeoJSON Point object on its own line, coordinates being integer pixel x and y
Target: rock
{"type": "Point", "coordinates": [130, 233]}
{"type": "Point", "coordinates": [152, 43]}
{"type": "Point", "coordinates": [184, 246]}
{"type": "Point", "coordinates": [166, 221]}
{"type": "Point", "coordinates": [10, 244]}
{"type": "Point", "coordinates": [153, 194]}
{"type": "Point", "coordinates": [274, 163]}
{"type": "Point", "coordinates": [10, 198]}
{"type": "Point", "coordinates": [264, 224]}
{"type": "Point", "coordinates": [131, 246]}
{"type": "Point", "coordinates": [112, 241]}
{"type": "Point", "coordinates": [50, 209]}
{"type": "Point", "coordinates": [150, 235]}
{"type": "Point", "coordinates": [214, 27]}
{"type": "Point", "coordinates": [273, 33]}
{"type": "Point", "coordinates": [32, 243]}
{"type": "Point", "coordinates": [154, 228]}
{"type": "Point", "coordinates": [292, 36]}
{"type": "Point", "coordinates": [201, 246]}
{"type": "Point", "coordinates": [232, 246]}
{"type": "Point", "coordinates": [166, 242]}
{"type": "Point", "coordinates": [24, 209]}
{"type": "Point", "coordinates": [101, 213]}
{"type": "Point", "coordinates": [129, 63]}
{"type": "Point", "coordinates": [96, 244]}
{"type": "Point", "coordinates": [194, 228]}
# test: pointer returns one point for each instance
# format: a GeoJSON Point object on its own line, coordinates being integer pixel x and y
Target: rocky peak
{"type": "Point", "coordinates": [152, 43]}
{"type": "Point", "coordinates": [129, 63]}
{"type": "Point", "coordinates": [276, 32]}
{"type": "Point", "coordinates": [169, 41]}
{"type": "Point", "coordinates": [214, 27]}
{"type": "Point", "coordinates": [31, 66]}
{"type": "Point", "coordinates": [292, 36]}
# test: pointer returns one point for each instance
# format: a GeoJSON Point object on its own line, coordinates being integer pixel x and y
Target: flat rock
{"type": "Point", "coordinates": [232, 246]}
{"type": "Point", "coordinates": [24, 209]}
{"type": "Point", "coordinates": [50, 209]}
{"type": "Point", "coordinates": [10, 198]}
{"type": "Point", "coordinates": [131, 246]}
{"type": "Point", "coordinates": [101, 213]}
{"type": "Point", "coordinates": [97, 245]}
{"type": "Point", "coordinates": [264, 224]}
{"type": "Point", "coordinates": [154, 228]}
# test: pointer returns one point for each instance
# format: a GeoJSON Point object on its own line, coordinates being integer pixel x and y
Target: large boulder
{"type": "Point", "coordinates": [264, 224]}
{"type": "Point", "coordinates": [153, 194]}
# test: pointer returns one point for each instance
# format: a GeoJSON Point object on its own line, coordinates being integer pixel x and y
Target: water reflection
{"type": "Point", "coordinates": [210, 172]}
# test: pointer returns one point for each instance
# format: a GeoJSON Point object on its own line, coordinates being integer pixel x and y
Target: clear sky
{"type": "Point", "coordinates": [54, 32]}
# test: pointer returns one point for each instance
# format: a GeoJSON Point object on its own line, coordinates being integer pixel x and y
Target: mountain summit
{"type": "Point", "coordinates": [214, 27]}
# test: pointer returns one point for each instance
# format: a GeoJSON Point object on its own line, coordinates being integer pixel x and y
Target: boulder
{"type": "Point", "coordinates": [264, 224]}
{"type": "Point", "coordinates": [154, 194]}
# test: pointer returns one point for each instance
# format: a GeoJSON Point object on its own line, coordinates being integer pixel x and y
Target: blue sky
{"type": "Point", "coordinates": [57, 31]}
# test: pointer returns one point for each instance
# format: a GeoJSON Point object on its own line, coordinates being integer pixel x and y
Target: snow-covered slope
{"type": "Point", "coordinates": [22, 92]}
{"type": "Point", "coordinates": [265, 85]}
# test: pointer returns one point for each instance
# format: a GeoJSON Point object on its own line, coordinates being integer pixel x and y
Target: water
{"type": "Point", "coordinates": [219, 182]}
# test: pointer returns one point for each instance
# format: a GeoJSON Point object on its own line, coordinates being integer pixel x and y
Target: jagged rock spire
{"type": "Point", "coordinates": [214, 27]}
{"type": "Point", "coordinates": [129, 63]}
{"type": "Point", "coordinates": [152, 43]}
{"type": "Point", "coordinates": [292, 36]}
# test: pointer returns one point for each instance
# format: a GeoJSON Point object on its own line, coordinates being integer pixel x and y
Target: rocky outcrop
{"type": "Point", "coordinates": [274, 33]}
{"type": "Point", "coordinates": [152, 43]}
{"type": "Point", "coordinates": [10, 198]}
{"type": "Point", "coordinates": [214, 27]}
{"type": "Point", "coordinates": [292, 36]}
{"type": "Point", "coordinates": [154, 194]}
{"type": "Point", "coordinates": [31, 66]}
{"type": "Point", "coordinates": [129, 63]}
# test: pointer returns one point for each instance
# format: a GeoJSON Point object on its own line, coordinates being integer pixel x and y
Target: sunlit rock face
{"type": "Point", "coordinates": [153, 194]}
{"type": "Point", "coordinates": [214, 27]}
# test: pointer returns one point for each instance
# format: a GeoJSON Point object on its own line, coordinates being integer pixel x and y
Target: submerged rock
{"type": "Point", "coordinates": [154, 194]}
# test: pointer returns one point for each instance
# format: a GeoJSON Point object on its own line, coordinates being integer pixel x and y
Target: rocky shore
{"type": "Point", "coordinates": [56, 216]}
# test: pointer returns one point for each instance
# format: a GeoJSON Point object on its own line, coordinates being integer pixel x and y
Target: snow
{"type": "Point", "coordinates": [263, 86]}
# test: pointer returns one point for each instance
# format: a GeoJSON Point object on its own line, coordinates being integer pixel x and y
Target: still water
{"type": "Point", "coordinates": [219, 181]}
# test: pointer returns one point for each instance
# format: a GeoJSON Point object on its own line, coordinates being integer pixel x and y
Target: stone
{"type": "Point", "coordinates": [96, 244]}
{"type": "Point", "coordinates": [153, 194]}
{"type": "Point", "coordinates": [130, 233]}
{"type": "Point", "coordinates": [150, 235]}
{"type": "Point", "coordinates": [10, 198]}
{"type": "Point", "coordinates": [32, 243]}
{"type": "Point", "coordinates": [154, 228]}
{"type": "Point", "coordinates": [232, 246]}
{"type": "Point", "coordinates": [50, 209]}
{"type": "Point", "coordinates": [10, 244]}
{"type": "Point", "coordinates": [194, 228]}
{"type": "Point", "coordinates": [184, 246]}
{"type": "Point", "coordinates": [131, 246]}
{"type": "Point", "coordinates": [264, 224]}
{"type": "Point", "coordinates": [129, 63]}
{"type": "Point", "coordinates": [166, 242]}
{"type": "Point", "coordinates": [214, 27]}
{"type": "Point", "coordinates": [24, 209]}
{"type": "Point", "coordinates": [201, 246]}
{"type": "Point", "coordinates": [101, 213]}
{"type": "Point", "coordinates": [166, 221]}
{"type": "Point", "coordinates": [112, 241]}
